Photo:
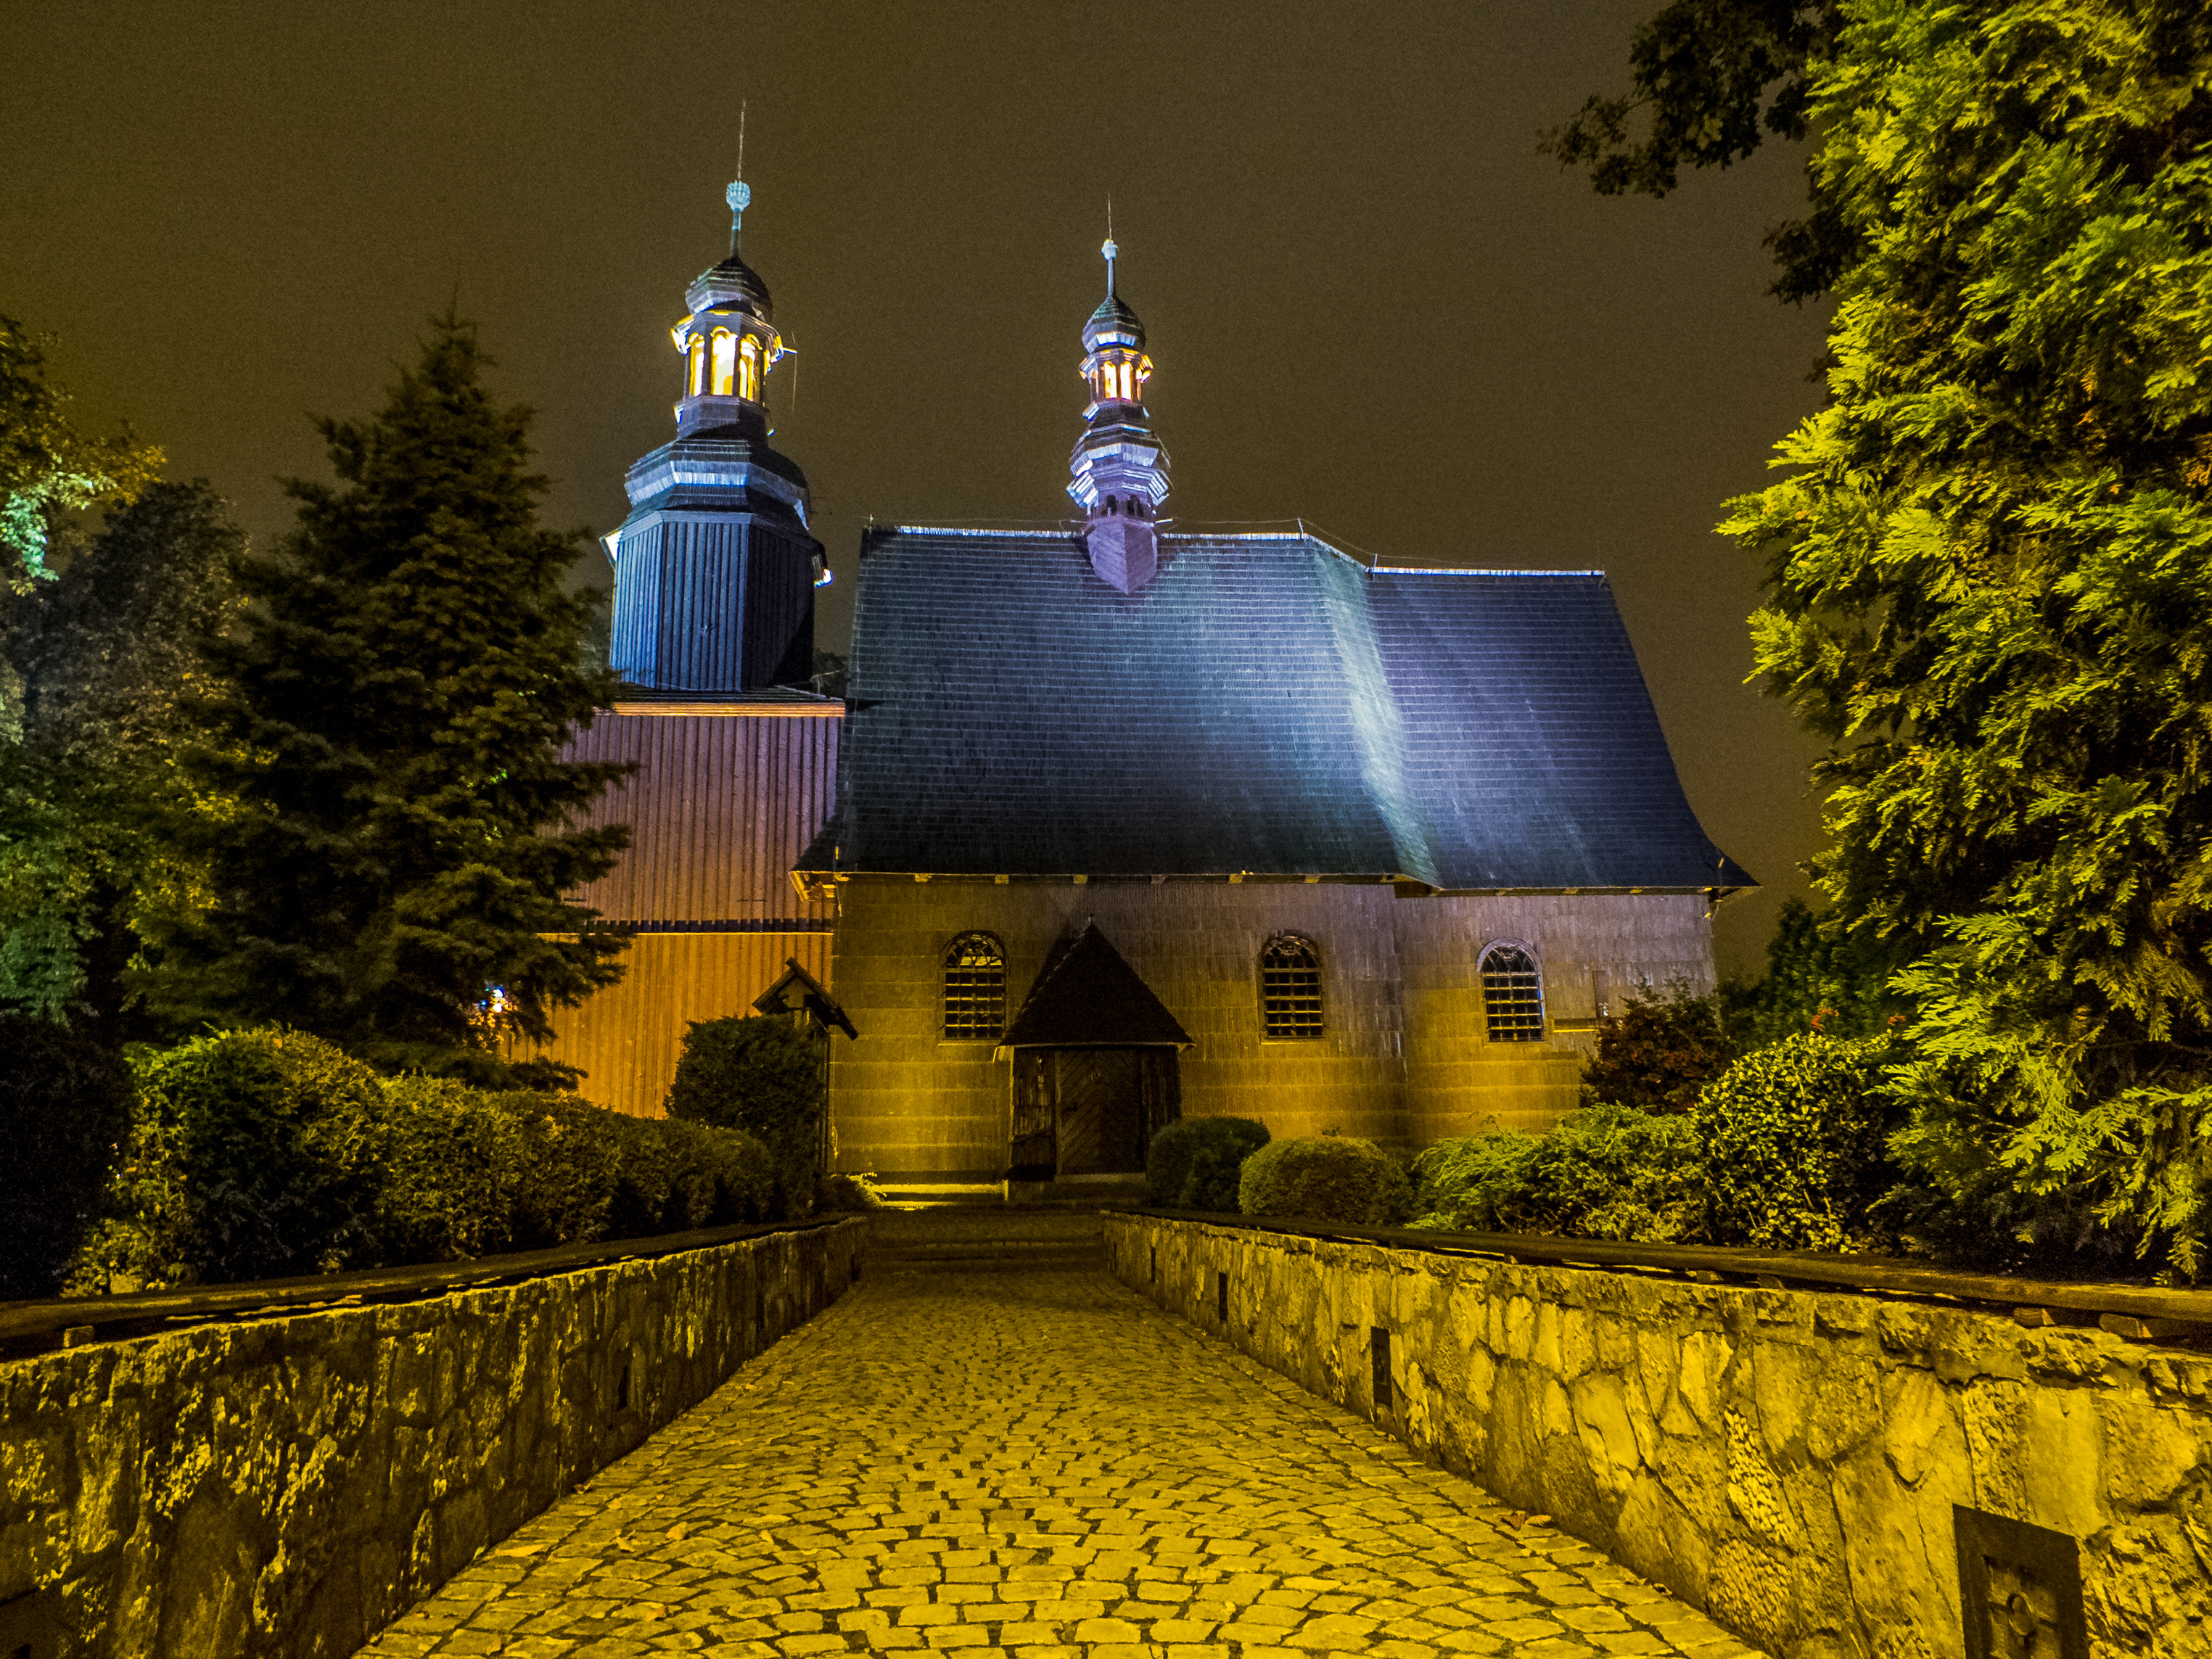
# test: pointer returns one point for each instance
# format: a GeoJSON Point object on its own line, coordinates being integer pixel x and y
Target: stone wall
{"type": "Point", "coordinates": [287, 1485]}
{"type": "Point", "coordinates": [1403, 1060]}
{"type": "Point", "coordinates": [1787, 1461]}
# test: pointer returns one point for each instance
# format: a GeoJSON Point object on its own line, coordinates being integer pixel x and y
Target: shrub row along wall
{"type": "Point", "coordinates": [1787, 1459]}
{"type": "Point", "coordinates": [289, 1485]}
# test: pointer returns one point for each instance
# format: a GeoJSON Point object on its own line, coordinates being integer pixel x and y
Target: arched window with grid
{"type": "Point", "coordinates": [1512, 994]}
{"type": "Point", "coordinates": [974, 989]}
{"type": "Point", "coordinates": [1290, 988]}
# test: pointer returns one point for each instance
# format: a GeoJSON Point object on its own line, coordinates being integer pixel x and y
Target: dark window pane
{"type": "Point", "coordinates": [974, 989]}
{"type": "Point", "coordinates": [1512, 995]}
{"type": "Point", "coordinates": [1290, 988]}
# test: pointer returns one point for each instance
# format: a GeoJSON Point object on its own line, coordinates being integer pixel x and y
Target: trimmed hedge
{"type": "Point", "coordinates": [1194, 1163]}
{"type": "Point", "coordinates": [1325, 1178]}
{"type": "Point", "coordinates": [64, 1112]}
{"type": "Point", "coordinates": [762, 1074]}
{"type": "Point", "coordinates": [270, 1153]}
{"type": "Point", "coordinates": [1608, 1172]}
{"type": "Point", "coordinates": [1795, 1147]}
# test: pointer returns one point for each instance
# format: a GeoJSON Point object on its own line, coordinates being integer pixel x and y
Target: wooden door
{"type": "Point", "coordinates": [1100, 1111]}
{"type": "Point", "coordinates": [1033, 1154]}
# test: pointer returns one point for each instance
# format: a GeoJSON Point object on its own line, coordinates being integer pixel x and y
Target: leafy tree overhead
{"type": "Point", "coordinates": [1990, 586]}
{"type": "Point", "coordinates": [48, 468]}
{"type": "Point", "coordinates": [1711, 81]}
{"type": "Point", "coordinates": [108, 655]}
{"type": "Point", "coordinates": [391, 721]}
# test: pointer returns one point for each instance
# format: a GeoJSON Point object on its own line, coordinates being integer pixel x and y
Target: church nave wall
{"type": "Point", "coordinates": [1403, 1059]}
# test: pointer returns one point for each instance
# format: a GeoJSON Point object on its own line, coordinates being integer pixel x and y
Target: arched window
{"type": "Point", "coordinates": [1125, 383]}
{"type": "Point", "coordinates": [697, 381]}
{"type": "Point", "coordinates": [974, 989]}
{"type": "Point", "coordinates": [1512, 995]}
{"type": "Point", "coordinates": [749, 369]}
{"type": "Point", "coordinates": [726, 361]}
{"type": "Point", "coordinates": [1290, 988]}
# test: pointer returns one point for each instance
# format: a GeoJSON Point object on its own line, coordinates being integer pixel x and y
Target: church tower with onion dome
{"type": "Point", "coordinates": [715, 568]}
{"type": "Point", "coordinates": [1121, 472]}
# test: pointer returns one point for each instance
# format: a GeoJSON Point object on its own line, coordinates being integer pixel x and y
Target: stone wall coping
{"type": "Point", "coordinates": [27, 1327]}
{"type": "Point", "coordinates": [1774, 1269]}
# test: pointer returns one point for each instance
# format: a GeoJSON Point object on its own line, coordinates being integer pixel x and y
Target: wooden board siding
{"type": "Point", "coordinates": [720, 808]}
{"type": "Point", "coordinates": [627, 1039]}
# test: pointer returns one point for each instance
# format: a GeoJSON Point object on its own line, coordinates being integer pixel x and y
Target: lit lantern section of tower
{"type": "Point", "coordinates": [728, 342]}
{"type": "Point", "coordinates": [1120, 472]}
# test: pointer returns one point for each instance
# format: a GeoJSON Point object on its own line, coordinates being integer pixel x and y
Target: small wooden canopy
{"type": "Point", "coordinates": [1089, 998]}
{"type": "Point", "coordinates": [798, 992]}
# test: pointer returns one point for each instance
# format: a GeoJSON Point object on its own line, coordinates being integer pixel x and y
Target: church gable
{"type": "Point", "coordinates": [1087, 996]}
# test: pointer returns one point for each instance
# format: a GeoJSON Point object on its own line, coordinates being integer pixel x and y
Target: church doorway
{"type": "Point", "coordinates": [1090, 1111]}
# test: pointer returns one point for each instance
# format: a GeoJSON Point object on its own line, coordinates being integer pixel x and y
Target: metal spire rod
{"type": "Point", "coordinates": [739, 194]}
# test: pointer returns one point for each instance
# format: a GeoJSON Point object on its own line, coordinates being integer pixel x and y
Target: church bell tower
{"type": "Point", "coordinates": [1121, 472]}
{"type": "Point", "coordinates": [714, 566]}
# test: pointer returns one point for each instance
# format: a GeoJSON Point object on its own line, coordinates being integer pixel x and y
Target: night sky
{"type": "Point", "coordinates": [1369, 301]}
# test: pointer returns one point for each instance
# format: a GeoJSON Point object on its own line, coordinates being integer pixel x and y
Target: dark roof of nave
{"type": "Point", "coordinates": [1265, 705]}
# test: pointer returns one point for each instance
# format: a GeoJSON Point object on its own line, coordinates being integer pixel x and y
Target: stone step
{"type": "Point", "coordinates": [975, 1254]}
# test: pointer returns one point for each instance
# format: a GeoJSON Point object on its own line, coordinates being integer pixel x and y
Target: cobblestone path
{"type": "Point", "coordinates": [1038, 1465]}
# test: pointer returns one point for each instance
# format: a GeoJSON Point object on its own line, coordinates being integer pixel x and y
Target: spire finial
{"type": "Point", "coordinates": [1108, 249]}
{"type": "Point", "coordinates": [739, 194]}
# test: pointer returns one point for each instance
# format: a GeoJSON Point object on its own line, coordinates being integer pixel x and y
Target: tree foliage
{"type": "Point", "coordinates": [1195, 1163]}
{"type": "Point", "coordinates": [109, 655]}
{"type": "Point", "coordinates": [64, 1111]}
{"type": "Point", "coordinates": [1609, 1171]}
{"type": "Point", "coordinates": [1325, 1177]}
{"type": "Point", "coordinates": [1710, 81]}
{"type": "Point", "coordinates": [757, 1073]}
{"type": "Point", "coordinates": [48, 468]}
{"type": "Point", "coordinates": [1664, 1047]}
{"type": "Point", "coordinates": [391, 728]}
{"type": "Point", "coordinates": [1819, 978]}
{"type": "Point", "coordinates": [1990, 586]}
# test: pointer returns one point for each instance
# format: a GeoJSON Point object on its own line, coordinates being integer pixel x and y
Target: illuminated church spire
{"type": "Point", "coordinates": [1121, 472]}
{"type": "Point", "coordinates": [714, 566]}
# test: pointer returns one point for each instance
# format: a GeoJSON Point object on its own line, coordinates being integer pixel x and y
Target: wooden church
{"type": "Point", "coordinates": [1130, 820]}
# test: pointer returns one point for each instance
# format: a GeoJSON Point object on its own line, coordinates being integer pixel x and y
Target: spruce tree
{"type": "Point", "coordinates": [404, 826]}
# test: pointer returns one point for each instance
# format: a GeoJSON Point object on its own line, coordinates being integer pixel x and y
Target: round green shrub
{"type": "Point", "coordinates": [256, 1155]}
{"type": "Point", "coordinates": [1194, 1163]}
{"type": "Point", "coordinates": [1608, 1171]}
{"type": "Point", "coordinates": [1794, 1138]}
{"type": "Point", "coordinates": [1325, 1178]}
{"type": "Point", "coordinates": [844, 1190]}
{"type": "Point", "coordinates": [65, 1112]}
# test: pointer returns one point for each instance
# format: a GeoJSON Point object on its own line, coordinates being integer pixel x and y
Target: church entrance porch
{"type": "Point", "coordinates": [1095, 1069]}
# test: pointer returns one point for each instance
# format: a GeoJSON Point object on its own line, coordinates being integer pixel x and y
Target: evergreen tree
{"type": "Point", "coordinates": [1990, 580]}
{"type": "Point", "coordinates": [410, 667]}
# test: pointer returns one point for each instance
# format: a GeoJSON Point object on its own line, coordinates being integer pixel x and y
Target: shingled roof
{"type": "Point", "coordinates": [1265, 705]}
